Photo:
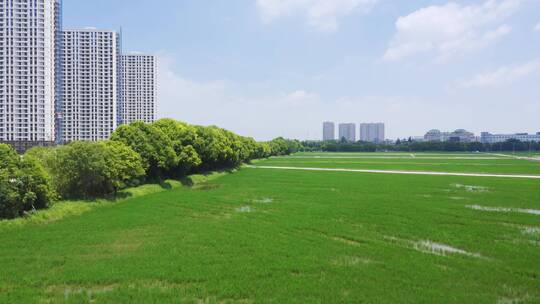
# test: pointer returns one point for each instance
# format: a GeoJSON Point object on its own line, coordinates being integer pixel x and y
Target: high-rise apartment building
{"type": "Point", "coordinates": [60, 86]}
{"type": "Point", "coordinates": [372, 132]}
{"type": "Point", "coordinates": [29, 69]}
{"type": "Point", "coordinates": [329, 131]}
{"type": "Point", "coordinates": [91, 90]}
{"type": "Point", "coordinates": [138, 102]}
{"type": "Point", "coordinates": [347, 131]}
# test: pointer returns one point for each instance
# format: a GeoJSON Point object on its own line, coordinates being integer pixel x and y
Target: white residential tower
{"type": "Point", "coordinates": [29, 71]}
{"type": "Point", "coordinates": [91, 89]}
{"type": "Point", "coordinates": [329, 131]}
{"type": "Point", "coordinates": [372, 132]}
{"type": "Point", "coordinates": [138, 102]}
{"type": "Point", "coordinates": [347, 131]}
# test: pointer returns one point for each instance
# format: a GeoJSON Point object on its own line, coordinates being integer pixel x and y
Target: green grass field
{"type": "Point", "coordinates": [441, 162]}
{"type": "Point", "coordinates": [273, 236]}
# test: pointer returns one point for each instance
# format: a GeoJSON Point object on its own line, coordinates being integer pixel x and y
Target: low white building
{"type": "Point", "coordinates": [489, 138]}
{"type": "Point", "coordinates": [459, 135]}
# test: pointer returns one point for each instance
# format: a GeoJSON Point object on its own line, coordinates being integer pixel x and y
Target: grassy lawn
{"type": "Point", "coordinates": [469, 163]}
{"type": "Point", "coordinates": [271, 236]}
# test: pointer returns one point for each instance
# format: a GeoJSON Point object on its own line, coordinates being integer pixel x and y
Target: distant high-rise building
{"type": "Point", "coordinates": [372, 132]}
{"type": "Point", "coordinates": [138, 101]}
{"type": "Point", "coordinates": [29, 70]}
{"type": "Point", "coordinates": [347, 131]}
{"type": "Point", "coordinates": [91, 89]}
{"type": "Point", "coordinates": [329, 131]}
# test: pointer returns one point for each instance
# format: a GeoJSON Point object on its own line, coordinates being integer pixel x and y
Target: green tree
{"type": "Point", "coordinates": [155, 148]}
{"type": "Point", "coordinates": [91, 169]}
{"type": "Point", "coordinates": [182, 137]}
{"type": "Point", "coordinates": [24, 184]}
{"type": "Point", "coordinates": [124, 166]}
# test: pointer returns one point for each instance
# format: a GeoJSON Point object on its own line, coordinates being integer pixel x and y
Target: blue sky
{"type": "Point", "coordinates": [267, 68]}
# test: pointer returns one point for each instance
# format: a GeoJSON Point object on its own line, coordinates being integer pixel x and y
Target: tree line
{"type": "Point", "coordinates": [134, 154]}
{"type": "Point", "coordinates": [412, 146]}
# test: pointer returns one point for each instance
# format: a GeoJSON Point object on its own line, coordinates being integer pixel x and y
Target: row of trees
{"type": "Point", "coordinates": [135, 153]}
{"type": "Point", "coordinates": [411, 146]}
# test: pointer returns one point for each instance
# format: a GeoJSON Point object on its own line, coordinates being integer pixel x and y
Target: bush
{"type": "Point", "coordinates": [282, 146]}
{"type": "Point", "coordinates": [91, 169]}
{"type": "Point", "coordinates": [24, 184]}
{"type": "Point", "coordinates": [155, 148]}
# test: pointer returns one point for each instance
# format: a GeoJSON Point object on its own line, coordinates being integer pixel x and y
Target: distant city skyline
{"type": "Point", "coordinates": [279, 68]}
{"type": "Point", "coordinates": [376, 133]}
{"type": "Point", "coordinates": [368, 132]}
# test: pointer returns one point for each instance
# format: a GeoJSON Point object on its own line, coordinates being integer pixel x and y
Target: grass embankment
{"type": "Point", "coordinates": [270, 236]}
{"type": "Point", "coordinates": [66, 208]}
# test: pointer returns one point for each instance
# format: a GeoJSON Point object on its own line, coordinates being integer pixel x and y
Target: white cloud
{"type": "Point", "coordinates": [502, 76]}
{"type": "Point", "coordinates": [451, 29]}
{"type": "Point", "coordinates": [265, 112]}
{"type": "Point", "coordinates": [268, 113]}
{"type": "Point", "coordinates": [537, 27]}
{"type": "Point", "coordinates": [324, 15]}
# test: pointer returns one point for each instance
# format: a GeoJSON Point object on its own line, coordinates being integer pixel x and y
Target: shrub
{"type": "Point", "coordinates": [24, 184]}
{"type": "Point", "coordinates": [91, 169]}
{"type": "Point", "coordinates": [125, 168]}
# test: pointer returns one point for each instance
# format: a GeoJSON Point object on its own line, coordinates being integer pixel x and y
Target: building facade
{"type": "Point", "coordinates": [459, 135]}
{"type": "Point", "coordinates": [29, 68]}
{"type": "Point", "coordinates": [372, 132]}
{"type": "Point", "coordinates": [488, 138]}
{"type": "Point", "coordinates": [329, 131]}
{"type": "Point", "coordinates": [347, 131]}
{"type": "Point", "coordinates": [138, 102]}
{"type": "Point", "coordinates": [91, 90]}
{"type": "Point", "coordinates": [433, 136]}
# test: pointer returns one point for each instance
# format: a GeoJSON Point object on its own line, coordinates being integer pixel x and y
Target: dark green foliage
{"type": "Point", "coordinates": [135, 153]}
{"type": "Point", "coordinates": [171, 148]}
{"type": "Point", "coordinates": [124, 165]}
{"type": "Point", "coordinates": [182, 137]}
{"type": "Point", "coordinates": [24, 185]}
{"type": "Point", "coordinates": [90, 169]}
{"type": "Point", "coordinates": [407, 145]}
{"type": "Point", "coordinates": [155, 148]}
{"type": "Point", "coordinates": [281, 146]}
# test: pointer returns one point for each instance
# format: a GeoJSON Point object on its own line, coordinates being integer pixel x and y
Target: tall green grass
{"type": "Point", "coordinates": [65, 209]}
{"type": "Point", "coordinates": [271, 236]}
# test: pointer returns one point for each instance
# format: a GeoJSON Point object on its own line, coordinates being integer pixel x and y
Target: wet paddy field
{"type": "Point", "coordinates": [286, 236]}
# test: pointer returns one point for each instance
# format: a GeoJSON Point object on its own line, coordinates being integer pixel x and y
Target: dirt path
{"type": "Point", "coordinates": [398, 172]}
